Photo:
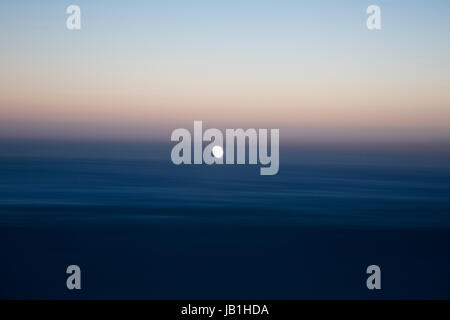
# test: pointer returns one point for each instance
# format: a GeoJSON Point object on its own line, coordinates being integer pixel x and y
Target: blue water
{"type": "Point", "coordinates": [141, 227]}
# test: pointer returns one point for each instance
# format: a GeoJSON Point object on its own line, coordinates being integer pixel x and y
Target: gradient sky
{"type": "Point", "coordinates": [311, 68]}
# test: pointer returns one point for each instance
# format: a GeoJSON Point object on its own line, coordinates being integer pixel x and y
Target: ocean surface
{"type": "Point", "coordinates": [142, 228]}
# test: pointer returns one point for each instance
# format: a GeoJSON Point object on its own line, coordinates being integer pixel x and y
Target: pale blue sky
{"type": "Point", "coordinates": [309, 65]}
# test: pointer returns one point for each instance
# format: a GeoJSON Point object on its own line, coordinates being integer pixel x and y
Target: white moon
{"type": "Point", "coordinates": [217, 151]}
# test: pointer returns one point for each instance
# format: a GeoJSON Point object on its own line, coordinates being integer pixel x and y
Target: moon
{"type": "Point", "coordinates": [217, 151]}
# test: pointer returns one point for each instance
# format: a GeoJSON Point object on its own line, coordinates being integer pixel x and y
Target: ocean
{"type": "Point", "coordinates": [141, 227]}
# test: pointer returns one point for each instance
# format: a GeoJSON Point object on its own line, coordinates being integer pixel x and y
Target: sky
{"type": "Point", "coordinates": [138, 70]}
